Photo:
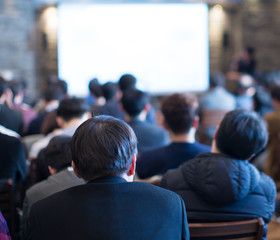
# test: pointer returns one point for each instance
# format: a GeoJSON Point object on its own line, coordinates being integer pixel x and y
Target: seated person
{"type": "Point", "coordinates": [12, 156]}
{"type": "Point", "coordinates": [50, 102]}
{"type": "Point", "coordinates": [223, 185]}
{"type": "Point", "coordinates": [128, 82]}
{"type": "Point", "coordinates": [57, 156]}
{"type": "Point", "coordinates": [181, 122]}
{"type": "Point", "coordinates": [136, 106]}
{"type": "Point", "coordinates": [71, 113]}
{"type": "Point", "coordinates": [9, 118]}
{"type": "Point", "coordinates": [112, 96]}
{"type": "Point", "coordinates": [217, 98]}
{"type": "Point", "coordinates": [109, 205]}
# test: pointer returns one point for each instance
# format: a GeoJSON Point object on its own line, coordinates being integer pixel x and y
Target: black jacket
{"type": "Point", "coordinates": [110, 208]}
{"type": "Point", "coordinates": [218, 188]}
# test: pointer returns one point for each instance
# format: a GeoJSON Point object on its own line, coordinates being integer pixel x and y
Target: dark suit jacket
{"type": "Point", "coordinates": [12, 158]}
{"type": "Point", "coordinates": [110, 208]}
{"type": "Point", "coordinates": [11, 119]}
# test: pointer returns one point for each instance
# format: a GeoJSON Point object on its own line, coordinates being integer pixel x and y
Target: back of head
{"type": "Point", "coordinates": [103, 146]}
{"type": "Point", "coordinates": [109, 90]}
{"type": "Point", "coordinates": [16, 87]}
{"type": "Point", "coordinates": [134, 102]}
{"type": "Point", "coordinates": [71, 108]}
{"type": "Point", "coordinates": [127, 81]}
{"type": "Point", "coordinates": [95, 88]}
{"type": "Point", "coordinates": [179, 111]}
{"type": "Point", "coordinates": [58, 154]}
{"type": "Point", "coordinates": [217, 79]}
{"type": "Point", "coordinates": [241, 134]}
{"type": "Point", "coordinates": [53, 93]}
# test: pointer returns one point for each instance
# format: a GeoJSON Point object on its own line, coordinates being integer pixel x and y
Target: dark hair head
{"type": "Point", "coordinates": [103, 146]}
{"type": "Point", "coordinates": [134, 102]}
{"type": "Point", "coordinates": [127, 81]}
{"type": "Point", "coordinates": [53, 93]}
{"type": "Point", "coordinates": [262, 99]}
{"type": "Point", "coordinates": [58, 154]}
{"type": "Point", "coordinates": [241, 134]}
{"type": "Point", "coordinates": [179, 111]}
{"type": "Point", "coordinates": [3, 86]}
{"type": "Point", "coordinates": [109, 90]}
{"type": "Point", "coordinates": [217, 79]}
{"type": "Point", "coordinates": [275, 92]}
{"type": "Point", "coordinates": [95, 88]}
{"type": "Point", "coordinates": [71, 108]}
{"type": "Point", "coordinates": [16, 87]}
{"type": "Point", "coordinates": [250, 50]}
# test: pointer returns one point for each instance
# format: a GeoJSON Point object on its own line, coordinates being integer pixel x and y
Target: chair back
{"type": "Point", "coordinates": [7, 205]}
{"type": "Point", "coordinates": [242, 230]}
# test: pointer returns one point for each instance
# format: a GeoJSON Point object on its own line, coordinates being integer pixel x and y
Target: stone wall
{"type": "Point", "coordinates": [260, 23]}
{"type": "Point", "coordinates": [17, 55]}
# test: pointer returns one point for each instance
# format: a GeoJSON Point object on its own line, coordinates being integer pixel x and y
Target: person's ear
{"type": "Point", "coordinates": [59, 121]}
{"type": "Point", "coordinates": [195, 122]}
{"type": "Point", "coordinates": [52, 170]}
{"type": "Point", "coordinates": [132, 168]}
{"type": "Point", "coordinates": [147, 107]}
{"type": "Point", "coordinates": [165, 125]}
{"type": "Point", "coordinates": [75, 170]}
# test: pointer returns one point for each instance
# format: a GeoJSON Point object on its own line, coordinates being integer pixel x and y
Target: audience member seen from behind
{"type": "Point", "coordinates": [95, 99]}
{"type": "Point", "coordinates": [217, 98]}
{"type": "Point", "coordinates": [272, 167]}
{"type": "Point", "coordinates": [245, 92]}
{"type": "Point", "coordinates": [112, 96]}
{"type": "Point", "coordinates": [17, 103]}
{"type": "Point", "coordinates": [57, 156]}
{"type": "Point", "coordinates": [51, 98]}
{"type": "Point", "coordinates": [213, 105]}
{"type": "Point", "coordinates": [70, 114]}
{"type": "Point", "coordinates": [104, 153]}
{"type": "Point", "coordinates": [223, 185]}
{"type": "Point", "coordinates": [136, 106]}
{"type": "Point", "coordinates": [128, 82]}
{"type": "Point", "coordinates": [9, 118]}
{"type": "Point", "coordinates": [181, 122]}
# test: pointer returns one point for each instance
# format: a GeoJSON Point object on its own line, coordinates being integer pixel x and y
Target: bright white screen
{"type": "Point", "coordinates": [164, 45]}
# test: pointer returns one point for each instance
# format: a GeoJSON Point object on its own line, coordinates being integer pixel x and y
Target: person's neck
{"type": "Point", "coordinates": [184, 137]}
{"type": "Point", "coordinates": [72, 123]}
{"type": "Point", "coordinates": [214, 148]}
{"type": "Point", "coordinates": [141, 117]}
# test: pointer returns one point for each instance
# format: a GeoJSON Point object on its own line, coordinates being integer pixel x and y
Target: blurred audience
{"type": "Point", "coordinates": [17, 103]}
{"type": "Point", "coordinates": [9, 118]}
{"type": "Point", "coordinates": [70, 114]}
{"type": "Point", "coordinates": [57, 156]}
{"type": "Point", "coordinates": [112, 96]}
{"type": "Point", "coordinates": [136, 106]}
